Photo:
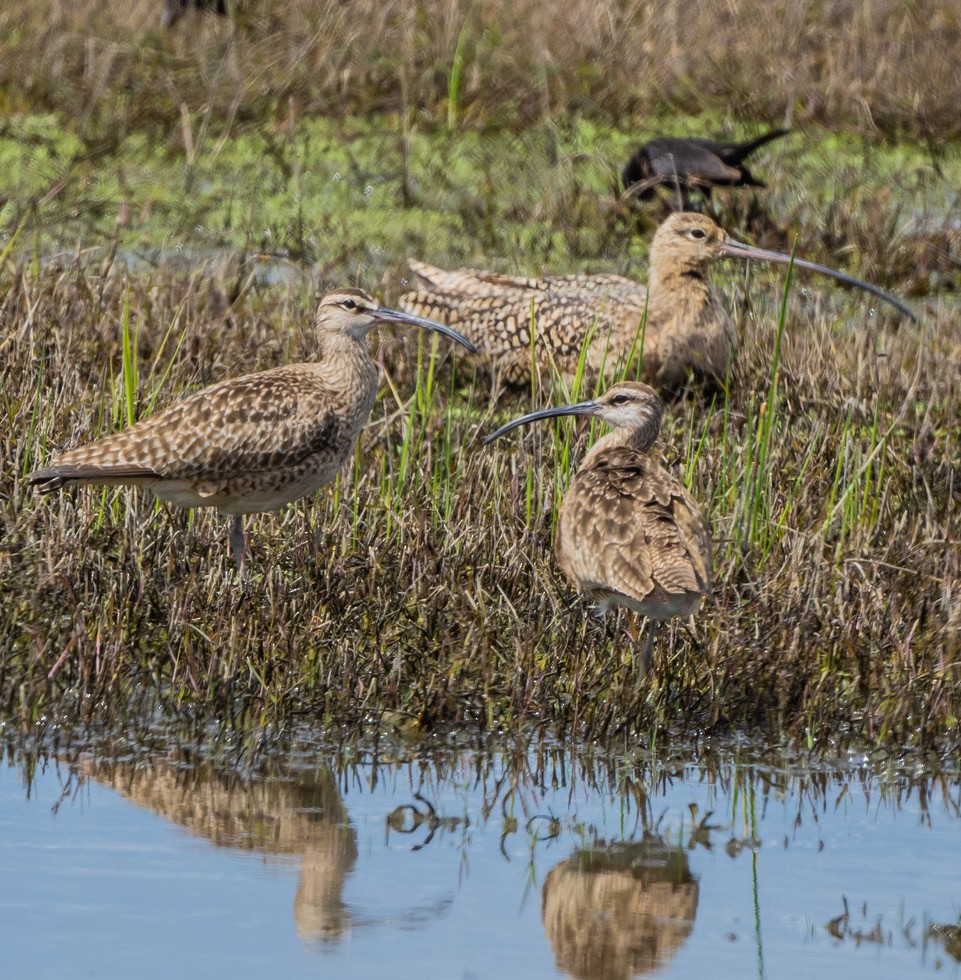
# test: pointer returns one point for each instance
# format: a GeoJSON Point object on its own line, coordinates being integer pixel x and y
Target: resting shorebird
{"type": "Point", "coordinates": [253, 443]}
{"type": "Point", "coordinates": [629, 534]}
{"type": "Point", "coordinates": [677, 323]}
{"type": "Point", "coordinates": [687, 164]}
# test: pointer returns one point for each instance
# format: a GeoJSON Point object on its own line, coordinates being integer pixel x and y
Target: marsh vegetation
{"type": "Point", "coordinates": [174, 204]}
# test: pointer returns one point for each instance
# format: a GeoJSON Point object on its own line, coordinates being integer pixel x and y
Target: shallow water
{"type": "Point", "coordinates": [443, 860]}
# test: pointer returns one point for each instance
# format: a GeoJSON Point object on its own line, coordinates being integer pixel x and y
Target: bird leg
{"type": "Point", "coordinates": [238, 543]}
{"type": "Point", "coordinates": [612, 624]}
{"type": "Point", "coordinates": [688, 628]}
{"type": "Point", "coordinates": [646, 651]}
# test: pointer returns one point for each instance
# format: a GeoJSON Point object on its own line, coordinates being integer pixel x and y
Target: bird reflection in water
{"type": "Point", "coordinates": [619, 910]}
{"type": "Point", "coordinates": [284, 816]}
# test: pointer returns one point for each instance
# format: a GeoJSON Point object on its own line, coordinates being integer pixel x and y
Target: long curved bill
{"type": "Point", "coordinates": [738, 250]}
{"type": "Point", "coordinates": [385, 315]}
{"type": "Point", "coordinates": [580, 408]}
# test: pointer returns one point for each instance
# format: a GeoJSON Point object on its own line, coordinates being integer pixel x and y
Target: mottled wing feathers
{"type": "Point", "coordinates": [674, 527]}
{"type": "Point", "coordinates": [470, 282]}
{"type": "Point", "coordinates": [244, 425]}
{"type": "Point", "coordinates": [466, 284]}
{"type": "Point", "coordinates": [693, 530]}
{"type": "Point", "coordinates": [599, 288]}
{"type": "Point", "coordinates": [501, 325]}
{"type": "Point", "coordinates": [495, 312]}
{"type": "Point", "coordinates": [627, 523]}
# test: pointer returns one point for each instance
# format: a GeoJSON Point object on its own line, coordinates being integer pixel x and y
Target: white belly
{"type": "Point", "coordinates": [683, 604]}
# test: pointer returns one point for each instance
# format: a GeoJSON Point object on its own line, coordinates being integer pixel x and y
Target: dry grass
{"type": "Point", "coordinates": [425, 583]}
{"type": "Point", "coordinates": [883, 66]}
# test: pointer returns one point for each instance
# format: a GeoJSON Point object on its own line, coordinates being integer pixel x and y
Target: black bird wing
{"type": "Point", "coordinates": [693, 160]}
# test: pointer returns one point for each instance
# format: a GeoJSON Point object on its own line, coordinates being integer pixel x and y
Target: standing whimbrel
{"type": "Point", "coordinates": [679, 319]}
{"type": "Point", "coordinates": [688, 163]}
{"type": "Point", "coordinates": [257, 442]}
{"type": "Point", "coordinates": [629, 534]}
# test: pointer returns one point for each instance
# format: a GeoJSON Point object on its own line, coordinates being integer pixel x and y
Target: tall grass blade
{"type": "Point", "coordinates": [129, 361]}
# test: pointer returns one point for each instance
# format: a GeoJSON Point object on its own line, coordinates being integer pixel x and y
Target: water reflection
{"type": "Point", "coordinates": [537, 860]}
{"type": "Point", "coordinates": [948, 937]}
{"type": "Point", "coordinates": [619, 910]}
{"type": "Point", "coordinates": [303, 817]}
{"type": "Point", "coordinates": [407, 818]}
{"type": "Point", "coordinates": [861, 926]}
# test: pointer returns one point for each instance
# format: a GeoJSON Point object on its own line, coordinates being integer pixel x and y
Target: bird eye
{"type": "Point", "coordinates": [698, 233]}
{"type": "Point", "coordinates": [620, 399]}
{"type": "Point", "coordinates": [349, 304]}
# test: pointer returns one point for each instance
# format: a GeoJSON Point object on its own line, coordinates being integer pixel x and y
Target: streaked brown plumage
{"type": "Point", "coordinates": [629, 533]}
{"type": "Point", "coordinates": [257, 442]}
{"type": "Point", "coordinates": [687, 330]}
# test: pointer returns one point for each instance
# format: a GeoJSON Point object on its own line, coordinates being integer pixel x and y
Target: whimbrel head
{"type": "Point", "coordinates": [627, 405]}
{"type": "Point", "coordinates": [688, 242]}
{"type": "Point", "coordinates": [354, 312]}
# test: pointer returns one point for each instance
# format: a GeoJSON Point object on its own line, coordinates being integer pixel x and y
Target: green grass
{"type": "Point", "coordinates": [332, 196]}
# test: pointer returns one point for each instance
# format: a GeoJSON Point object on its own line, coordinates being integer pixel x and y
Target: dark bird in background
{"type": "Point", "coordinates": [175, 9]}
{"type": "Point", "coordinates": [687, 164]}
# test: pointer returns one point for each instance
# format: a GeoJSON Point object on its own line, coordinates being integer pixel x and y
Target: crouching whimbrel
{"type": "Point", "coordinates": [678, 322]}
{"type": "Point", "coordinates": [257, 442]}
{"type": "Point", "coordinates": [629, 534]}
{"type": "Point", "coordinates": [688, 163]}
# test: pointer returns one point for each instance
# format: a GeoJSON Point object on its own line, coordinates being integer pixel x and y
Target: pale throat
{"type": "Point", "coordinates": [674, 273]}
{"type": "Point", "coordinates": [639, 438]}
{"type": "Point", "coordinates": [337, 344]}
{"type": "Point", "coordinates": [346, 365]}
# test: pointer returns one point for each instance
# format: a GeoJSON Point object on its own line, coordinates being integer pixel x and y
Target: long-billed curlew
{"type": "Point", "coordinates": [687, 164]}
{"type": "Point", "coordinates": [678, 320]}
{"type": "Point", "coordinates": [629, 534]}
{"type": "Point", "coordinates": [257, 442]}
